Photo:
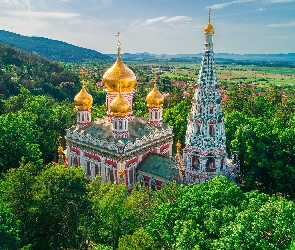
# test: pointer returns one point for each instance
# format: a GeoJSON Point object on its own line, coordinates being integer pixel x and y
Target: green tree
{"type": "Point", "coordinates": [262, 222]}
{"type": "Point", "coordinates": [117, 213]}
{"type": "Point", "coordinates": [61, 207]}
{"type": "Point", "coordinates": [16, 189]}
{"type": "Point", "coordinates": [52, 119]}
{"type": "Point", "coordinates": [140, 240]}
{"type": "Point", "coordinates": [9, 229]}
{"type": "Point", "coordinates": [186, 223]}
{"type": "Point", "coordinates": [18, 139]}
{"type": "Point", "coordinates": [15, 103]}
{"type": "Point", "coordinates": [218, 215]}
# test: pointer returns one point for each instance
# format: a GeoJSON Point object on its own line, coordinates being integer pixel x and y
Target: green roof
{"type": "Point", "coordinates": [158, 166]}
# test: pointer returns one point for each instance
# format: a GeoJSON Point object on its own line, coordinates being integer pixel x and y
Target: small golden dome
{"type": "Point", "coordinates": [120, 106]}
{"type": "Point", "coordinates": [209, 28]}
{"type": "Point", "coordinates": [119, 71]}
{"type": "Point", "coordinates": [83, 100]}
{"type": "Point", "coordinates": [155, 99]}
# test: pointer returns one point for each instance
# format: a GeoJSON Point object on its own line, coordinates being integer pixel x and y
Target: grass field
{"type": "Point", "coordinates": [257, 75]}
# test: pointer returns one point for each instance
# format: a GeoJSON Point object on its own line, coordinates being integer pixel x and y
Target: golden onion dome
{"type": "Point", "coordinates": [83, 100]}
{"type": "Point", "coordinates": [209, 28]}
{"type": "Point", "coordinates": [155, 99]}
{"type": "Point", "coordinates": [119, 71]}
{"type": "Point", "coordinates": [120, 106]}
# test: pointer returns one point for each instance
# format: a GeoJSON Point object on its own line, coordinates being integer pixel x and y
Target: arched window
{"type": "Point", "coordinates": [211, 108]}
{"type": "Point", "coordinates": [111, 175]}
{"type": "Point", "coordinates": [195, 163]}
{"type": "Point", "coordinates": [198, 128]}
{"type": "Point", "coordinates": [120, 125]}
{"type": "Point", "coordinates": [75, 162]}
{"type": "Point", "coordinates": [156, 115]}
{"type": "Point", "coordinates": [211, 130]}
{"type": "Point", "coordinates": [152, 184]}
{"type": "Point", "coordinates": [210, 165]}
{"type": "Point", "coordinates": [88, 171]}
{"type": "Point", "coordinates": [200, 109]}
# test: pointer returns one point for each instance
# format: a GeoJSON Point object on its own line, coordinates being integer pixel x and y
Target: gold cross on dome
{"type": "Point", "coordinates": [118, 35]}
{"type": "Point", "coordinates": [155, 75]}
{"type": "Point", "coordinates": [209, 14]}
{"type": "Point", "coordinates": [82, 73]}
{"type": "Point", "coordinates": [118, 43]}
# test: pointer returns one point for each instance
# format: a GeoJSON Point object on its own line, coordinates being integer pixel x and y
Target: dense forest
{"type": "Point", "coordinates": [45, 206]}
{"type": "Point", "coordinates": [51, 49]}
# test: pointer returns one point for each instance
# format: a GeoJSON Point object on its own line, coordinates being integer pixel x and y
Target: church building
{"type": "Point", "coordinates": [123, 148]}
{"type": "Point", "coordinates": [120, 147]}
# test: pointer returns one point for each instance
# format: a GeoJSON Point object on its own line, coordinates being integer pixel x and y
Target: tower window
{"type": "Point", "coordinates": [198, 128]}
{"type": "Point", "coordinates": [211, 130]}
{"type": "Point", "coordinates": [156, 115]}
{"type": "Point", "coordinates": [88, 171]}
{"type": "Point", "coordinates": [120, 125]}
{"type": "Point", "coordinates": [96, 170]}
{"type": "Point", "coordinates": [200, 110]}
{"type": "Point", "coordinates": [211, 108]}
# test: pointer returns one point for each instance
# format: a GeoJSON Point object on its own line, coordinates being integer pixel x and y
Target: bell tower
{"type": "Point", "coordinates": [205, 149]}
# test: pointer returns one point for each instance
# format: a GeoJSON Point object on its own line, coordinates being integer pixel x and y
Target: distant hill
{"type": "Point", "coordinates": [51, 49]}
{"type": "Point", "coordinates": [39, 75]}
{"type": "Point", "coordinates": [257, 59]}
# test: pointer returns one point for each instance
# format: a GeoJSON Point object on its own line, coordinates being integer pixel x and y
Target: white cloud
{"type": "Point", "coordinates": [165, 19]}
{"type": "Point", "coordinates": [222, 5]}
{"type": "Point", "coordinates": [260, 10]}
{"type": "Point", "coordinates": [24, 4]}
{"type": "Point", "coordinates": [278, 25]}
{"type": "Point", "coordinates": [154, 20]}
{"type": "Point", "coordinates": [39, 14]}
{"type": "Point", "coordinates": [280, 1]}
{"type": "Point", "coordinates": [176, 19]}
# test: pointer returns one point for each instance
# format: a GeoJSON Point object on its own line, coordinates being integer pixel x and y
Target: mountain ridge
{"type": "Point", "coordinates": [51, 49]}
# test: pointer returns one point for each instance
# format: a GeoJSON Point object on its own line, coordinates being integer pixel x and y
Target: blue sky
{"type": "Point", "coordinates": [156, 26]}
